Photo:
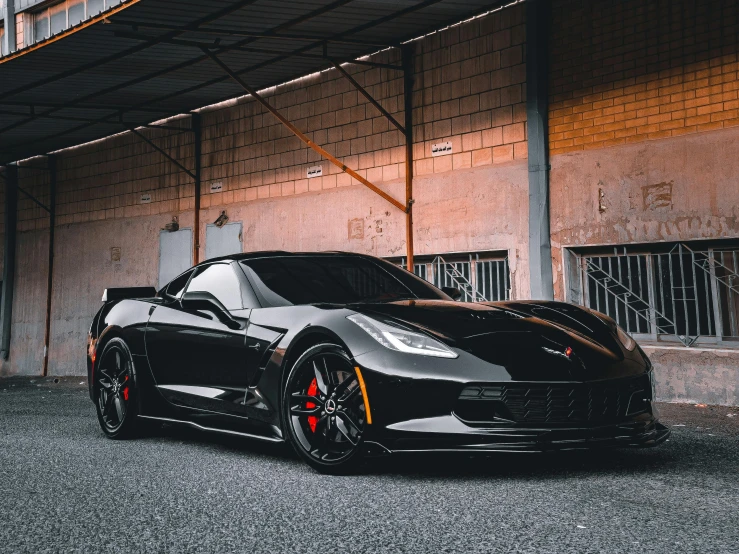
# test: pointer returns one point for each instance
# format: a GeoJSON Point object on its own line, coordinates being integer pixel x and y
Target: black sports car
{"type": "Point", "coordinates": [347, 356]}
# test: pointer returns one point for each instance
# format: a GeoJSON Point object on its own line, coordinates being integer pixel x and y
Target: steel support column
{"type": "Point", "coordinates": [408, 80]}
{"type": "Point", "coordinates": [537, 74]}
{"type": "Point", "coordinates": [11, 218]}
{"type": "Point", "coordinates": [198, 132]}
{"type": "Point", "coordinates": [51, 164]}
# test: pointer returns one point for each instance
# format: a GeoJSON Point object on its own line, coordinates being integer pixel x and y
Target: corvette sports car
{"type": "Point", "coordinates": [348, 356]}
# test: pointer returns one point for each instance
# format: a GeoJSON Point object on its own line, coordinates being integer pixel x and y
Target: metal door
{"type": "Point", "coordinates": [222, 241]}
{"type": "Point", "coordinates": [175, 254]}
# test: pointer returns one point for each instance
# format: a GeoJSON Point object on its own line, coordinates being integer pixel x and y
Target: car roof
{"type": "Point", "coordinates": [278, 254]}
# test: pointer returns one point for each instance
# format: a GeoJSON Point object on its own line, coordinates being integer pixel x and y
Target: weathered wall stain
{"type": "Point", "coordinates": [356, 228]}
{"type": "Point", "coordinates": [657, 197]}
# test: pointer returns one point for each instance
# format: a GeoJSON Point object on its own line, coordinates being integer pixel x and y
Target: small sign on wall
{"type": "Point", "coordinates": [216, 186]}
{"type": "Point", "coordinates": [315, 171]}
{"type": "Point", "coordinates": [115, 253]}
{"type": "Point", "coordinates": [441, 149]}
{"type": "Point", "coordinates": [146, 198]}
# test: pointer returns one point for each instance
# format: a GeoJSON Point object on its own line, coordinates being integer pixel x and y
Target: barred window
{"type": "Point", "coordinates": [481, 276]}
{"type": "Point", "coordinates": [669, 292]}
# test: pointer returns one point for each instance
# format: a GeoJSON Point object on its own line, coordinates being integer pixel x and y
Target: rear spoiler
{"type": "Point", "coordinates": [128, 292]}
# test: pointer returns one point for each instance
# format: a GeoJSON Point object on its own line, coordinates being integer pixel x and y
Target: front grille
{"type": "Point", "coordinates": [601, 402]}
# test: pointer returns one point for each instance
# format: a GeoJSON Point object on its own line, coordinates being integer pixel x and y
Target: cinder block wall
{"type": "Point", "coordinates": [469, 90]}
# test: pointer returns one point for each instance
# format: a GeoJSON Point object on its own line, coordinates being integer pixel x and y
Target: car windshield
{"type": "Point", "coordinates": [285, 281]}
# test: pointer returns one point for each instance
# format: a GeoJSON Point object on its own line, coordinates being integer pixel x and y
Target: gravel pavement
{"type": "Point", "coordinates": [64, 487]}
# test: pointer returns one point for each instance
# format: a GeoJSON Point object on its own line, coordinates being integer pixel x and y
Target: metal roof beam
{"type": "Point", "coordinates": [135, 25]}
{"type": "Point", "coordinates": [117, 56]}
{"type": "Point", "coordinates": [161, 151]}
{"type": "Point", "coordinates": [159, 73]}
{"type": "Point", "coordinates": [236, 47]}
{"type": "Point", "coordinates": [405, 11]}
{"type": "Point", "coordinates": [45, 104]}
{"type": "Point", "coordinates": [115, 115]}
{"type": "Point", "coordinates": [208, 19]}
{"type": "Point", "coordinates": [282, 119]}
{"type": "Point", "coordinates": [400, 13]}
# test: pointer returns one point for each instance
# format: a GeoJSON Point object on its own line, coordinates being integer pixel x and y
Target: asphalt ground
{"type": "Point", "coordinates": [64, 487]}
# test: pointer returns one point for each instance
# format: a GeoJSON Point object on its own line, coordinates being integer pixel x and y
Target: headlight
{"type": "Point", "coordinates": [402, 340]}
{"type": "Point", "coordinates": [628, 342]}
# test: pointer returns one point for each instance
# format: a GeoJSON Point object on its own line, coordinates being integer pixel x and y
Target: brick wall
{"type": "Point", "coordinates": [630, 71]}
{"type": "Point", "coordinates": [469, 90]}
{"type": "Point", "coordinates": [107, 179]}
{"type": "Point", "coordinates": [34, 179]}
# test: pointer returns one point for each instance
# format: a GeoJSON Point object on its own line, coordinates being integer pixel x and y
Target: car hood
{"type": "Point", "coordinates": [530, 339]}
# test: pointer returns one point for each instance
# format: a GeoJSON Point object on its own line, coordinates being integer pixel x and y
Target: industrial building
{"type": "Point", "coordinates": [581, 150]}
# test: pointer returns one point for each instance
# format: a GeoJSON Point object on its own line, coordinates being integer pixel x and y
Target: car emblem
{"type": "Point", "coordinates": [330, 406]}
{"type": "Point", "coordinates": [566, 354]}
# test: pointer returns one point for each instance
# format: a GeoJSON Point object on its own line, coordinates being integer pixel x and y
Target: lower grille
{"type": "Point", "coordinates": [601, 402]}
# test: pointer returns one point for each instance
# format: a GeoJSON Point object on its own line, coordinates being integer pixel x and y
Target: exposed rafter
{"type": "Point", "coordinates": [242, 33]}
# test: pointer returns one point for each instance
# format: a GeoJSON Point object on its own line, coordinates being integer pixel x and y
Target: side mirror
{"type": "Point", "coordinates": [454, 292]}
{"type": "Point", "coordinates": [202, 300]}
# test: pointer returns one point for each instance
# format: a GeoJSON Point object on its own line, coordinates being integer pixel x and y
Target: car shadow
{"type": "Point", "coordinates": [681, 453]}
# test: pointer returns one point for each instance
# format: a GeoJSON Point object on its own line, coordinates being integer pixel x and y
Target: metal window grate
{"type": "Point", "coordinates": [481, 278]}
{"type": "Point", "coordinates": [680, 292]}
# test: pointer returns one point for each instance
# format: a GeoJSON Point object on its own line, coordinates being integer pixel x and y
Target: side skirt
{"type": "Point", "coordinates": [213, 429]}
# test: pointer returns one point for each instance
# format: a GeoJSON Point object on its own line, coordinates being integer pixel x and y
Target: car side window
{"type": "Point", "coordinates": [177, 286]}
{"type": "Point", "coordinates": [221, 281]}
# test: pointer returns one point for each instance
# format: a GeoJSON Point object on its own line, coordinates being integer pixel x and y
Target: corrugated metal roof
{"type": "Point", "coordinates": [80, 85]}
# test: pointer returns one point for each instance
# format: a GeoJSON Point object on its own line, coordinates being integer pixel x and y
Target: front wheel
{"type": "Point", "coordinates": [115, 391]}
{"type": "Point", "coordinates": [324, 410]}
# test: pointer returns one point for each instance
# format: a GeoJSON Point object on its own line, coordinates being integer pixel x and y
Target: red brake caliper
{"type": "Point", "coordinates": [312, 391]}
{"type": "Point", "coordinates": [125, 390]}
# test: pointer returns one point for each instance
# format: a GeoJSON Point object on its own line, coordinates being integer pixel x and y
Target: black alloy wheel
{"type": "Point", "coordinates": [324, 410]}
{"type": "Point", "coordinates": [115, 390]}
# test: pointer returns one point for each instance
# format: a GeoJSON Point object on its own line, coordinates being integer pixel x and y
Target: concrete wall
{"type": "Point", "coordinates": [696, 375]}
{"type": "Point", "coordinates": [29, 306]}
{"type": "Point", "coordinates": [678, 189]}
{"type": "Point", "coordinates": [84, 266]}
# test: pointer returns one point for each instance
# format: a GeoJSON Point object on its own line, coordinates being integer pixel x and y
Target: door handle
{"type": "Point", "coordinates": [256, 347]}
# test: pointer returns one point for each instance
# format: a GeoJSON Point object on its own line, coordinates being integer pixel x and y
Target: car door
{"type": "Point", "coordinates": [198, 359]}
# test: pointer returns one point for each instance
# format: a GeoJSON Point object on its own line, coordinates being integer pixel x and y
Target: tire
{"type": "Point", "coordinates": [116, 392]}
{"type": "Point", "coordinates": [323, 410]}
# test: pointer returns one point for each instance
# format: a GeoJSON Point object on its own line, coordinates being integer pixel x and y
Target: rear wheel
{"type": "Point", "coordinates": [324, 410]}
{"type": "Point", "coordinates": [115, 391]}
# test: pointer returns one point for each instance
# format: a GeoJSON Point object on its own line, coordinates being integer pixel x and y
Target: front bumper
{"type": "Point", "coordinates": [416, 406]}
{"type": "Point", "coordinates": [451, 435]}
